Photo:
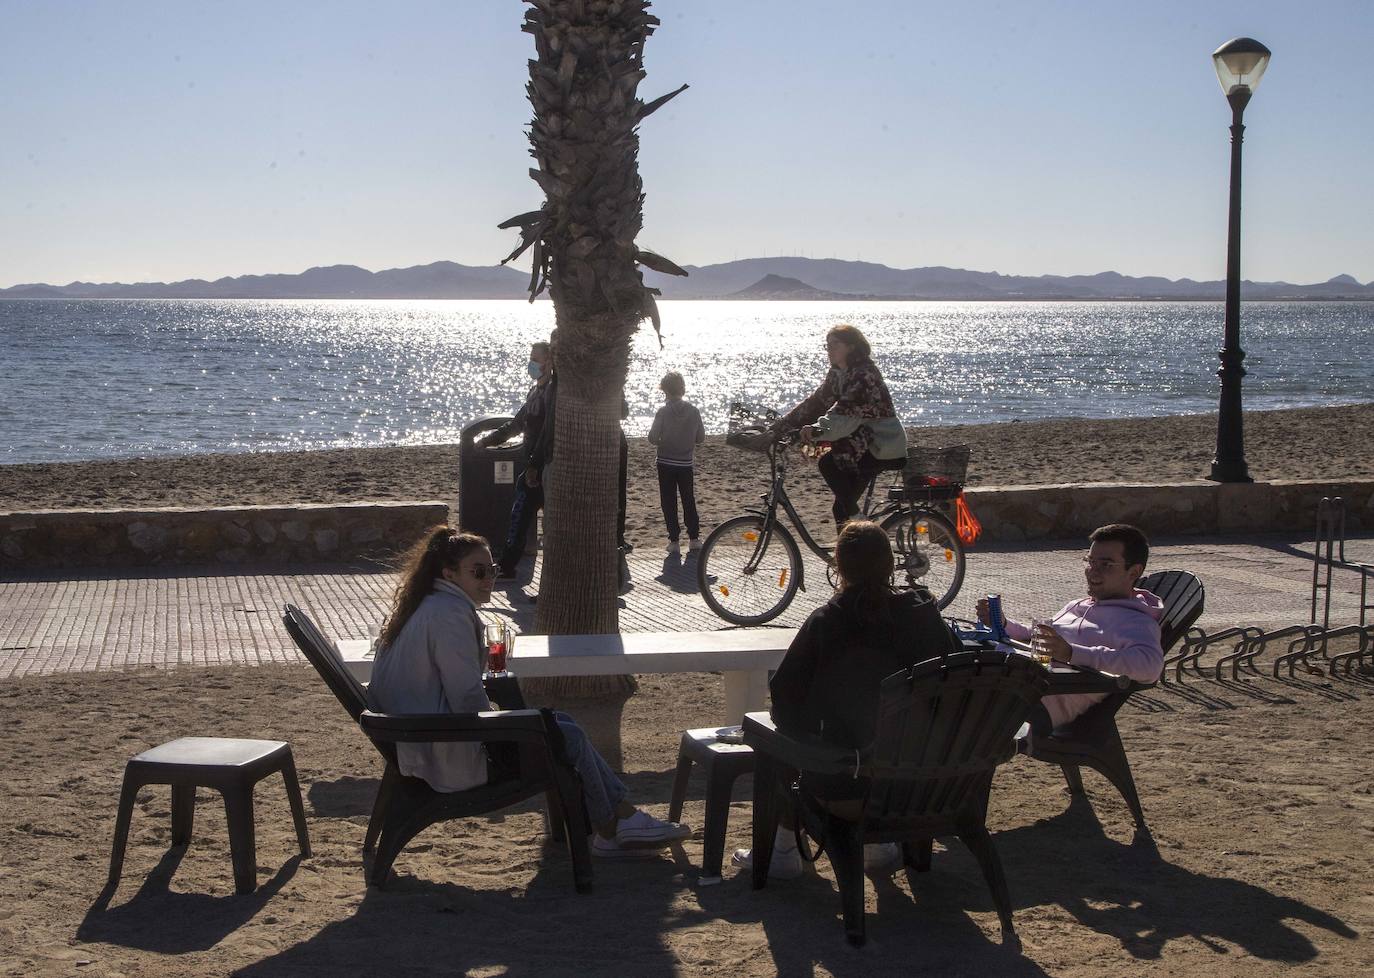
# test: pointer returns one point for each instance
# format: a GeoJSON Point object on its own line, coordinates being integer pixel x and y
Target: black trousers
{"type": "Point", "coordinates": [529, 500]}
{"type": "Point", "coordinates": [675, 480]}
{"type": "Point", "coordinates": [624, 487]}
{"type": "Point", "coordinates": [848, 487]}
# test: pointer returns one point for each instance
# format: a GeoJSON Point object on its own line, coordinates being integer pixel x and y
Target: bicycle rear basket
{"type": "Point", "coordinates": [935, 467]}
{"type": "Point", "coordinates": [749, 426]}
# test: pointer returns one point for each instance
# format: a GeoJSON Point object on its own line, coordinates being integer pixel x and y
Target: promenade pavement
{"type": "Point", "coordinates": [117, 619]}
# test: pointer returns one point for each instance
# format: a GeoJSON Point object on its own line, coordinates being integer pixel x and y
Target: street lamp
{"type": "Point", "coordinates": [1240, 63]}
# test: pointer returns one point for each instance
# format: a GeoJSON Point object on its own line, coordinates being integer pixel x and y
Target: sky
{"type": "Point", "coordinates": [156, 141]}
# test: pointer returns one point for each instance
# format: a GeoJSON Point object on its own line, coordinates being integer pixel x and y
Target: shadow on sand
{"type": "Point", "coordinates": [1126, 892]}
{"type": "Point", "coordinates": [156, 919]}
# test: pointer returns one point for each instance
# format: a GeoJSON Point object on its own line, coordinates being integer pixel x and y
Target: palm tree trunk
{"type": "Point", "coordinates": [584, 138]}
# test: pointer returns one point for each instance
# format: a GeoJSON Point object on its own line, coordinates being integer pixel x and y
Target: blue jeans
{"type": "Point", "coordinates": [602, 790]}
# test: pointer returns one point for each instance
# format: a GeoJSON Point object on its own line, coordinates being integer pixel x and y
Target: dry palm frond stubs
{"type": "Point", "coordinates": [584, 139]}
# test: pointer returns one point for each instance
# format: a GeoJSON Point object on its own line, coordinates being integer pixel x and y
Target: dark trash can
{"type": "Point", "coordinates": [486, 482]}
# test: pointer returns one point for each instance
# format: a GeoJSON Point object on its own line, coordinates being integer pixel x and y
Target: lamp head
{"type": "Point", "coordinates": [1240, 64]}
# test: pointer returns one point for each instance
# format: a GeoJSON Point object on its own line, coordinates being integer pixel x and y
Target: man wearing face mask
{"type": "Point", "coordinates": [529, 421]}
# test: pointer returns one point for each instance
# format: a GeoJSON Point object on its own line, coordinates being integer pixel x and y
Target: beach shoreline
{"type": "Point", "coordinates": [1301, 443]}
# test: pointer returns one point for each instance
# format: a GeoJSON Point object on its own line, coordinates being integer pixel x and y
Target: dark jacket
{"type": "Point", "coordinates": [528, 421]}
{"type": "Point", "coordinates": [827, 684]}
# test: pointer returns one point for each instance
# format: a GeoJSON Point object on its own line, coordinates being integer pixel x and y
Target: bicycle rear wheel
{"type": "Point", "coordinates": [927, 551]}
{"type": "Point", "coordinates": [731, 588]}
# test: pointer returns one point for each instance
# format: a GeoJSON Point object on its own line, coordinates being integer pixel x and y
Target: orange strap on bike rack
{"type": "Point", "coordinates": [965, 523]}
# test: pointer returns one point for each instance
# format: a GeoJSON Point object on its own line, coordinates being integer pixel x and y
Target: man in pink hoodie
{"type": "Point", "coordinates": [1114, 629]}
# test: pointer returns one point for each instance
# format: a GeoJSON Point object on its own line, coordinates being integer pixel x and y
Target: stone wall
{"type": "Point", "coordinates": [376, 531]}
{"type": "Point", "coordinates": [1192, 508]}
{"type": "Point", "coordinates": [233, 535]}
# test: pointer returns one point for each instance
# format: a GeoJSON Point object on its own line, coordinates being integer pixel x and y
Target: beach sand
{"type": "Point", "coordinates": [1260, 796]}
{"type": "Point", "coordinates": [1309, 443]}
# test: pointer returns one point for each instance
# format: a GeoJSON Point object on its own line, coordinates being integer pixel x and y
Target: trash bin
{"type": "Point", "coordinates": [486, 482]}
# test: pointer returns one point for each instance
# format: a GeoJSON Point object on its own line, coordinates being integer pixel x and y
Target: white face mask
{"type": "Point", "coordinates": [535, 370]}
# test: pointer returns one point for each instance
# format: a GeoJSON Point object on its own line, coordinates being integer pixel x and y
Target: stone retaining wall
{"type": "Point", "coordinates": [375, 531]}
{"type": "Point", "coordinates": [72, 538]}
{"type": "Point", "coordinates": [1191, 508]}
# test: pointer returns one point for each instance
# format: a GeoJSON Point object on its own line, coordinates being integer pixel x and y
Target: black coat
{"type": "Point", "coordinates": [827, 684]}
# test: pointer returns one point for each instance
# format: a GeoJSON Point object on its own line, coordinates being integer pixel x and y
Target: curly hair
{"type": "Point", "coordinates": [441, 547]}
{"type": "Point", "coordinates": [852, 338]}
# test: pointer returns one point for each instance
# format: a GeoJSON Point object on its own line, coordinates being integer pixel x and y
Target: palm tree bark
{"type": "Point", "coordinates": [583, 87]}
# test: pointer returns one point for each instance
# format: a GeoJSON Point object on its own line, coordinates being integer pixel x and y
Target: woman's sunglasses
{"type": "Point", "coordinates": [482, 571]}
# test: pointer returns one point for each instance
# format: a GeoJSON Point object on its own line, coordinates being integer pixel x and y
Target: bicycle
{"type": "Point", "coordinates": [750, 568]}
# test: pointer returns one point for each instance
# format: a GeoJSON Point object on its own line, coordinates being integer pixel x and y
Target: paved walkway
{"type": "Point", "coordinates": [188, 616]}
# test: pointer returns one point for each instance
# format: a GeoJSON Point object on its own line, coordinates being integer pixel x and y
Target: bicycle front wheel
{"type": "Point", "coordinates": [740, 584]}
{"type": "Point", "coordinates": [927, 552]}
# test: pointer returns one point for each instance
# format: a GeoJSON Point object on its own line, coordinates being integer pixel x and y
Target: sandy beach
{"type": "Point", "coordinates": [1260, 796]}
{"type": "Point", "coordinates": [1308, 443]}
{"type": "Point", "coordinates": [1260, 793]}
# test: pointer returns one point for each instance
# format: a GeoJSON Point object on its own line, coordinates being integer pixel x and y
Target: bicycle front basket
{"type": "Point", "coordinates": [927, 467]}
{"type": "Point", "coordinates": [750, 427]}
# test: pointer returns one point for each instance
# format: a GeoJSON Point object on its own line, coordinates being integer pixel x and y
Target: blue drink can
{"type": "Point", "coordinates": [998, 623]}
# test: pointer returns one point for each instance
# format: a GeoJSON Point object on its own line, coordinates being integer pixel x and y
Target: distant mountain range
{"type": "Point", "coordinates": [748, 278]}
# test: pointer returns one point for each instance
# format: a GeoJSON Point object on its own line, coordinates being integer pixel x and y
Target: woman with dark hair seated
{"type": "Point", "coordinates": [430, 659]}
{"type": "Point", "coordinates": [827, 685]}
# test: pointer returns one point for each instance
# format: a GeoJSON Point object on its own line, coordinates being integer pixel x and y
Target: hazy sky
{"type": "Point", "coordinates": [160, 141]}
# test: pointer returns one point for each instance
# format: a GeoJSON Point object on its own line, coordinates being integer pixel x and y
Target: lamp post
{"type": "Point", "coordinates": [1240, 63]}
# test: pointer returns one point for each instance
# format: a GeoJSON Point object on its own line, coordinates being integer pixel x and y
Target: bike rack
{"type": "Point", "coordinates": [1348, 659]}
{"type": "Point", "coordinates": [1329, 553]}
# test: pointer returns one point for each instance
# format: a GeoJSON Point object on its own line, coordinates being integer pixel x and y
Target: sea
{"type": "Point", "coordinates": [114, 378]}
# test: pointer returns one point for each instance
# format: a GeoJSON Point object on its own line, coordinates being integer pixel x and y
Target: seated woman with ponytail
{"type": "Point", "coordinates": [430, 658]}
{"type": "Point", "coordinates": [827, 685]}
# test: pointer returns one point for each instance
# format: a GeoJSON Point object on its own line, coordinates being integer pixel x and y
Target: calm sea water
{"type": "Point", "coordinates": [109, 378]}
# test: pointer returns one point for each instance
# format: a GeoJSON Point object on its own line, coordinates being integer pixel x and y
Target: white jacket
{"type": "Point", "coordinates": [435, 666]}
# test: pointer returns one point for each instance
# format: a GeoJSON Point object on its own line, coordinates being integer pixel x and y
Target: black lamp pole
{"type": "Point", "coordinates": [1229, 463]}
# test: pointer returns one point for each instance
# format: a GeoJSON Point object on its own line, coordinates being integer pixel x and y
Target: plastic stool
{"type": "Point", "coordinates": [723, 761]}
{"type": "Point", "coordinates": [231, 767]}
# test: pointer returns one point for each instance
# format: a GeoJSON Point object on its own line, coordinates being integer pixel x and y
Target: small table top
{"type": "Point", "coordinates": [210, 752]}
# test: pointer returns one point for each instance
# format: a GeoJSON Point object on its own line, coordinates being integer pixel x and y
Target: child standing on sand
{"type": "Point", "coordinates": [677, 430]}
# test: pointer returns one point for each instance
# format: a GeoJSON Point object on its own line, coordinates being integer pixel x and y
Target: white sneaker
{"type": "Point", "coordinates": [694, 544]}
{"type": "Point", "coordinates": [603, 848]}
{"type": "Point", "coordinates": [642, 831]}
{"type": "Point", "coordinates": [674, 549]}
{"type": "Point", "coordinates": [786, 864]}
{"type": "Point", "coordinates": [882, 858]}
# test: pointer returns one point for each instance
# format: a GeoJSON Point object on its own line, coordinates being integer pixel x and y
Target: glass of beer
{"type": "Point", "coordinates": [498, 642]}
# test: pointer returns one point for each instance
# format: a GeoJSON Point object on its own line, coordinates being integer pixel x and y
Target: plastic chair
{"type": "Point", "coordinates": [943, 727]}
{"type": "Point", "coordinates": [405, 806]}
{"type": "Point", "coordinates": [722, 761]}
{"type": "Point", "coordinates": [1091, 739]}
{"type": "Point", "coordinates": [231, 767]}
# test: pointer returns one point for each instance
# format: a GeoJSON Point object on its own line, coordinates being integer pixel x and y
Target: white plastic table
{"type": "Point", "coordinates": [742, 656]}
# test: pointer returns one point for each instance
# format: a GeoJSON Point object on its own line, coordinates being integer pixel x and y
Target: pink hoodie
{"type": "Point", "coordinates": [1119, 636]}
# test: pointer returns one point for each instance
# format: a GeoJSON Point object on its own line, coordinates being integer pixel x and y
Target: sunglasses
{"type": "Point", "coordinates": [482, 571]}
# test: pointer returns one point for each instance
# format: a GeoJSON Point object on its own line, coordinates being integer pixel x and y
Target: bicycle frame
{"type": "Point", "coordinates": [777, 495]}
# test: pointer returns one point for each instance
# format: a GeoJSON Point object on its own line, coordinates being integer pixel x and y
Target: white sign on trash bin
{"type": "Point", "coordinates": [505, 473]}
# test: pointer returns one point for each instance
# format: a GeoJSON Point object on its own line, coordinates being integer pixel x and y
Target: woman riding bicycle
{"type": "Point", "coordinates": [852, 410]}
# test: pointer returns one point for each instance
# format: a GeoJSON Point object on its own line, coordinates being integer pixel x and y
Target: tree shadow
{"type": "Point", "coordinates": [156, 919]}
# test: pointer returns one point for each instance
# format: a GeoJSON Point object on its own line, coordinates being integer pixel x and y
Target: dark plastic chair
{"type": "Point", "coordinates": [943, 727]}
{"type": "Point", "coordinates": [722, 761]}
{"type": "Point", "coordinates": [231, 767]}
{"type": "Point", "coordinates": [1091, 739]}
{"type": "Point", "coordinates": [406, 806]}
